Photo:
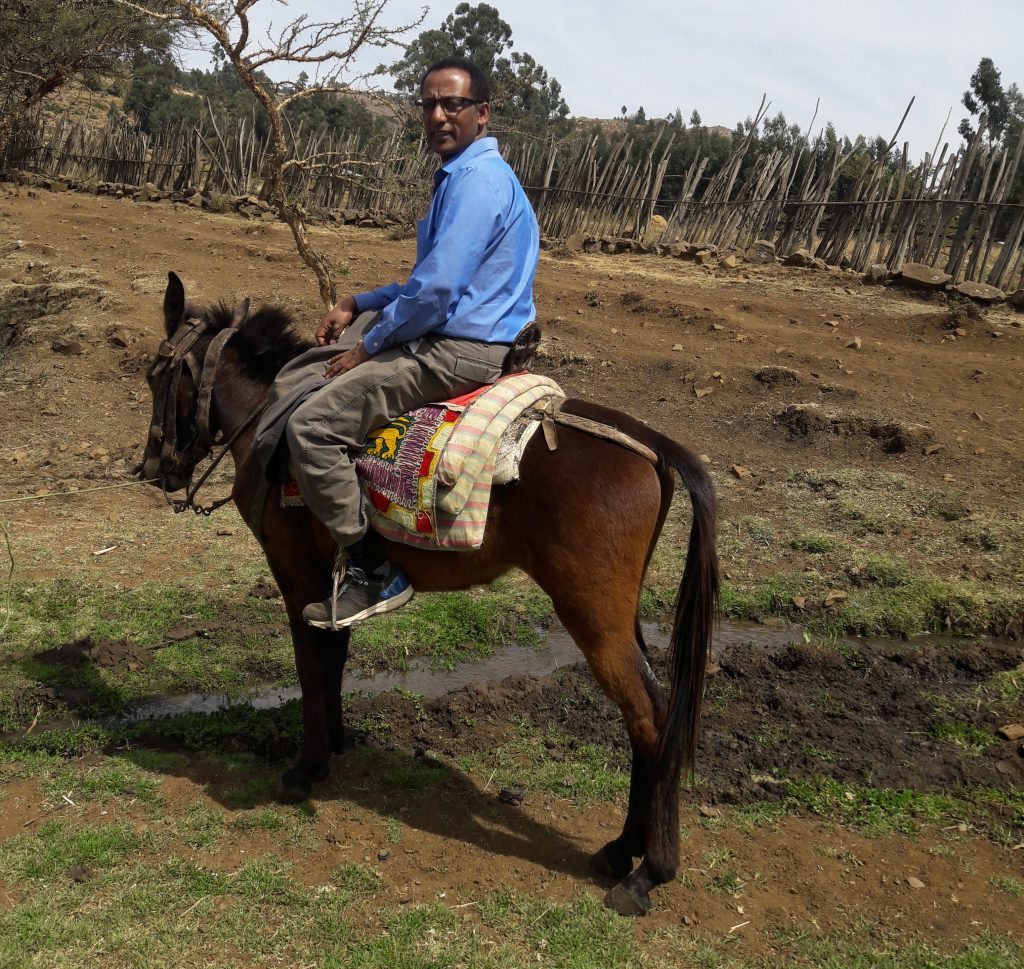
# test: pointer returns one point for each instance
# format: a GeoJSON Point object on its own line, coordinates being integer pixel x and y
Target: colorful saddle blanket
{"type": "Point", "coordinates": [429, 473]}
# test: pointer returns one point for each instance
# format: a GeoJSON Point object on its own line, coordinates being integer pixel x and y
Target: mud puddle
{"type": "Point", "coordinates": [558, 651]}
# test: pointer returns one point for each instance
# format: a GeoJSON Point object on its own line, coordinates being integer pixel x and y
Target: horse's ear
{"type": "Point", "coordinates": [174, 303]}
{"type": "Point", "coordinates": [240, 314]}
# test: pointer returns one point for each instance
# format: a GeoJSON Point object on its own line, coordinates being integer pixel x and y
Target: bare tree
{"type": "Point", "coordinates": [47, 44]}
{"type": "Point", "coordinates": [323, 49]}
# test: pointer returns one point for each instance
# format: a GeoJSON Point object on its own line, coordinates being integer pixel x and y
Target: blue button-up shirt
{"type": "Point", "coordinates": [476, 256]}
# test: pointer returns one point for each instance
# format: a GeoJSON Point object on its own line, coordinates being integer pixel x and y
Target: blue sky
{"type": "Point", "coordinates": [865, 60]}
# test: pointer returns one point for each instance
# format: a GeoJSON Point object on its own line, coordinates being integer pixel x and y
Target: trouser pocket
{"type": "Point", "coordinates": [477, 370]}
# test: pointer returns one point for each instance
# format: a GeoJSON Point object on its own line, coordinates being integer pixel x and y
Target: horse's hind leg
{"type": "Point", "coordinates": [651, 829]}
{"type": "Point", "coordinates": [615, 859]}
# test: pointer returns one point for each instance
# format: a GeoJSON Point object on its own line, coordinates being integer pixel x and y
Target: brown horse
{"type": "Point", "coordinates": [582, 521]}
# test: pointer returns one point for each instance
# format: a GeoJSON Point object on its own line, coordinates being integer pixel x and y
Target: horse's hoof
{"type": "Point", "coordinates": [604, 862]}
{"type": "Point", "coordinates": [628, 901]}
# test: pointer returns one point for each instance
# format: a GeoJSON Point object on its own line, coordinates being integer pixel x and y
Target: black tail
{"type": "Point", "coordinates": [696, 607]}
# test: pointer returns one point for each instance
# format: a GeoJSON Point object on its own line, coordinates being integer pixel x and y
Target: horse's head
{"type": "Point", "coordinates": [181, 382]}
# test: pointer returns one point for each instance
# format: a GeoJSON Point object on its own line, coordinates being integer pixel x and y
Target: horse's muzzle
{"type": "Point", "coordinates": [170, 479]}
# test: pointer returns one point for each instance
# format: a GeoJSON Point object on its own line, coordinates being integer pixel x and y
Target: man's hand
{"type": "Point", "coordinates": [335, 321]}
{"type": "Point", "coordinates": [349, 360]}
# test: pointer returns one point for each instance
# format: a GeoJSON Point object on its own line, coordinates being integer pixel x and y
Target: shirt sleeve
{"type": "Point", "coordinates": [467, 220]}
{"type": "Point", "coordinates": [377, 299]}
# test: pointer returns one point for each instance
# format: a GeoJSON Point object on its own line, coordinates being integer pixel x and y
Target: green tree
{"type": "Point", "coordinates": [154, 97]}
{"type": "Point", "coordinates": [46, 44]}
{"type": "Point", "coordinates": [986, 95]}
{"type": "Point", "coordinates": [523, 94]}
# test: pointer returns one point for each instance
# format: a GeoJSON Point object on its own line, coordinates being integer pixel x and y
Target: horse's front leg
{"type": "Point", "coordinates": [319, 660]}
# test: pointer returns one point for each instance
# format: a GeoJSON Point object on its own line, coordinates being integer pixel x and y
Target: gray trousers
{"type": "Point", "coordinates": [326, 431]}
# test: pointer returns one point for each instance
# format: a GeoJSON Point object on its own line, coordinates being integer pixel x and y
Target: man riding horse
{"type": "Point", "coordinates": [443, 333]}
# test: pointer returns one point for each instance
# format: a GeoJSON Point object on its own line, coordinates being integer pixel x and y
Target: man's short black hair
{"type": "Point", "coordinates": [479, 89]}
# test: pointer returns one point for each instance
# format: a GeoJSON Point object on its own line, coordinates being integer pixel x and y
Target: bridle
{"type": "Point", "coordinates": [174, 355]}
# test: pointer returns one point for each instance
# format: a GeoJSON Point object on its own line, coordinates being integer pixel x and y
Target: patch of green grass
{"type": "Point", "coordinates": [772, 596]}
{"type": "Point", "coordinates": [1006, 687]}
{"type": "Point", "coordinates": [874, 811]}
{"type": "Point", "coordinates": [966, 736]}
{"type": "Point", "coordinates": [860, 951]}
{"type": "Point", "coordinates": [844, 855]}
{"type": "Point", "coordinates": [920, 604]}
{"type": "Point", "coordinates": [238, 729]}
{"type": "Point", "coordinates": [56, 627]}
{"type": "Point", "coordinates": [713, 858]}
{"type": "Point", "coordinates": [759, 814]}
{"type": "Point", "coordinates": [581, 935]}
{"type": "Point", "coordinates": [720, 693]}
{"type": "Point", "coordinates": [757, 529]}
{"type": "Point", "coordinates": [374, 725]}
{"type": "Point", "coordinates": [32, 750]}
{"type": "Point", "coordinates": [453, 627]}
{"type": "Point", "coordinates": [827, 702]}
{"type": "Point", "coordinates": [159, 761]}
{"type": "Point", "coordinates": [770, 737]}
{"type": "Point", "coordinates": [860, 516]}
{"type": "Point", "coordinates": [814, 542]}
{"type": "Point", "coordinates": [881, 570]}
{"type": "Point", "coordinates": [199, 827]}
{"type": "Point", "coordinates": [726, 881]}
{"type": "Point", "coordinates": [1008, 884]}
{"type": "Point", "coordinates": [260, 819]}
{"type": "Point", "coordinates": [58, 847]}
{"type": "Point", "coordinates": [586, 773]}
{"type": "Point", "coordinates": [823, 754]}
{"type": "Point", "coordinates": [1009, 802]}
{"type": "Point", "coordinates": [655, 603]}
{"type": "Point", "coordinates": [267, 879]}
{"type": "Point", "coordinates": [360, 880]}
{"type": "Point", "coordinates": [114, 778]}
{"type": "Point", "coordinates": [393, 828]}
{"type": "Point", "coordinates": [47, 614]}
{"type": "Point", "coordinates": [386, 772]}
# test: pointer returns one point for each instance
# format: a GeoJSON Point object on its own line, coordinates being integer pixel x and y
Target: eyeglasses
{"type": "Point", "coordinates": [449, 106]}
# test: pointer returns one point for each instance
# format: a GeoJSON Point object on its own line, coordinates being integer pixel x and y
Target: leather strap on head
{"type": "Point", "coordinates": [209, 373]}
{"type": "Point", "coordinates": [204, 402]}
{"type": "Point", "coordinates": [172, 352]}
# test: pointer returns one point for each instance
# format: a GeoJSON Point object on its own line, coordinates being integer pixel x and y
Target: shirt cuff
{"type": "Point", "coordinates": [373, 340]}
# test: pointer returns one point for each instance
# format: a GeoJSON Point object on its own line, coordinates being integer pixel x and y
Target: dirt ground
{"type": "Point", "coordinates": [788, 380]}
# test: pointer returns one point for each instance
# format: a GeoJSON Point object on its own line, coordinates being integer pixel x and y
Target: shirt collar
{"type": "Point", "coordinates": [472, 151]}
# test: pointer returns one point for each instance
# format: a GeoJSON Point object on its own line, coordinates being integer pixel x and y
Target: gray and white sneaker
{"type": "Point", "coordinates": [360, 596]}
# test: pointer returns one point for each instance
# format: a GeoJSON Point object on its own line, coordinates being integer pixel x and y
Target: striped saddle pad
{"type": "Point", "coordinates": [429, 473]}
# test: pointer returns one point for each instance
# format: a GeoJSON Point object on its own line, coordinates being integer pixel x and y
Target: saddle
{"type": "Point", "coordinates": [429, 473]}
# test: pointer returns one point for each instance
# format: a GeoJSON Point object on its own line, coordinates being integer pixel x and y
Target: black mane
{"type": "Point", "coordinates": [266, 341]}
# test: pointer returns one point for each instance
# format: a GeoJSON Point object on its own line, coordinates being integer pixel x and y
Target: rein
{"type": "Point", "coordinates": [188, 502]}
{"type": "Point", "coordinates": [173, 356]}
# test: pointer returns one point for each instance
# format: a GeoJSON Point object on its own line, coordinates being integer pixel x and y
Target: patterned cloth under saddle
{"type": "Point", "coordinates": [429, 473]}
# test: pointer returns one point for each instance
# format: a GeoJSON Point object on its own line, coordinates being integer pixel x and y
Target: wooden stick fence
{"type": "Point", "coordinates": [943, 212]}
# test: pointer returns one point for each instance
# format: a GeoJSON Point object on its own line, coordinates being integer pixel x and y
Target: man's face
{"type": "Point", "coordinates": [448, 134]}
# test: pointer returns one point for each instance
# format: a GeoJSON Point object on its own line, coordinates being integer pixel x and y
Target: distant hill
{"type": "Point", "coordinates": [617, 126]}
